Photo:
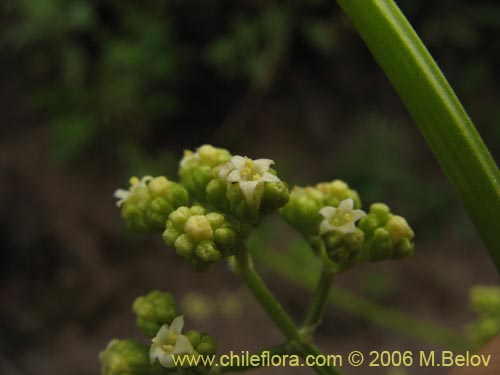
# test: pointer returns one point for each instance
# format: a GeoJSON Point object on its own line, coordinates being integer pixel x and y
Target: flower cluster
{"type": "Point", "coordinates": [201, 238]}
{"type": "Point", "coordinates": [209, 216]}
{"type": "Point", "coordinates": [485, 302]}
{"type": "Point", "coordinates": [195, 169]}
{"type": "Point", "coordinates": [387, 236]}
{"type": "Point", "coordinates": [303, 210]}
{"type": "Point", "coordinates": [148, 202]}
{"type": "Point", "coordinates": [124, 357]}
{"type": "Point", "coordinates": [154, 310]}
{"type": "Point", "coordinates": [248, 189]}
{"type": "Point", "coordinates": [329, 216]}
{"type": "Point", "coordinates": [131, 357]}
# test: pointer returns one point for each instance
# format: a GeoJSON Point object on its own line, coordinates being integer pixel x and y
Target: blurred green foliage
{"type": "Point", "coordinates": [121, 70]}
{"type": "Point", "coordinates": [115, 70]}
{"type": "Point", "coordinates": [118, 76]}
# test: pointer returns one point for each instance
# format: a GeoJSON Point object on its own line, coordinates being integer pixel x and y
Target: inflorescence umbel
{"type": "Point", "coordinates": [208, 215]}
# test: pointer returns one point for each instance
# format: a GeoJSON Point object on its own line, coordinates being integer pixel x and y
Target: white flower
{"type": "Point", "coordinates": [122, 194]}
{"type": "Point", "coordinates": [247, 173]}
{"type": "Point", "coordinates": [341, 218]}
{"type": "Point", "coordinates": [169, 342]}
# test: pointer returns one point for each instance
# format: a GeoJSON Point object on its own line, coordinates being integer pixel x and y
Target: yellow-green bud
{"type": "Point", "coordinates": [154, 310]}
{"type": "Point", "coordinates": [198, 228]}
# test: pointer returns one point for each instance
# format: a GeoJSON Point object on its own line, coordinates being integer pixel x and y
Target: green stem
{"type": "Point", "coordinates": [275, 311]}
{"type": "Point", "coordinates": [320, 299]}
{"type": "Point", "coordinates": [268, 302]}
{"type": "Point", "coordinates": [302, 274]}
{"type": "Point", "coordinates": [436, 110]}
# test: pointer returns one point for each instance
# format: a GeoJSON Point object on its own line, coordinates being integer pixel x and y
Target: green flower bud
{"type": "Point", "coordinates": [337, 191]}
{"type": "Point", "coordinates": [302, 211]}
{"type": "Point", "coordinates": [195, 169]}
{"type": "Point", "coordinates": [204, 345]}
{"type": "Point", "coordinates": [125, 357]}
{"type": "Point", "coordinates": [147, 204]}
{"type": "Point", "coordinates": [387, 236]}
{"type": "Point", "coordinates": [248, 189]}
{"type": "Point", "coordinates": [344, 248]}
{"type": "Point", "coordinates": [485, 300]}
{"type": "Point", "coordinates": [154, 310]}
{"type": "Point", "coordinates": [201, 238]}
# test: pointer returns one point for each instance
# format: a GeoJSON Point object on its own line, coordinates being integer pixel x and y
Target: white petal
{"type": "Point", "coordinates": [358, 214]}
{"type": "Point", "coordinates": [325, 227]}
{"type": "Point", "coordinates": [347, 228]}
{"type": "Point", "coordinates": [239, 161]}
{"type": "Point", "coordinates": [224, 170]}
{"type": "Point", "coordinates": [183, 346]}
{"type": "Point", "coordinates": [162, 333]}
{"type": "Point", "coordinates": [262, 165]}
{"type": "Point", "coordinates": [155, 352]}
{"type": "Point", "coordinates": [346, 205]}
{"type": "Point", "coordinates": [234, 176]}
{"type": "Point", "coordinates": [121, 195]}
{"type": "Point", "coordinates": [145, 180]}
{"type": "Point", "coordinates": [327, 212]}
{"type": "Point", "coordinates": [269, 177]}
{"type": "Point", "coordinates": [248, 188]}
{"type": "Point", "coordinates": [177, 324]}
{"type": "Point", "coordinates": [167, 360]}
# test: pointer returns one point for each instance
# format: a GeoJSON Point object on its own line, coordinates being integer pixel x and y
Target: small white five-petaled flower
{"type": "Point", "coordinates": [342, 218]}
{"type": "Point", "coordinates": [169, 342]}
{"type": "Point", "coordinates": [247, 173]}
{"type": "Point", "coordinates": [122, 194]}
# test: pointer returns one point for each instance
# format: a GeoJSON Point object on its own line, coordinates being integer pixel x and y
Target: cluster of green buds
{"type": "Point", "coordinates": [201, 238]}
{"type": "Point", "coordinates": [387, 236]}
{"type": "Point", "coordinates": [195, 169]}
{"type": "Point", "coordinates": [154, 310]}
{"type": "Point", "coordinates": [155, 318]}
{"type": "Point", "coordinates": [236, 185]}
{"type": "Point", "coordinates": [126, 357]}
{"type": "Point", "coordinates": [485, 302]}
{"type": "Point", "coordinates": [148, 202]}
{"type": "Point", "coordinates": [303, 210]}
{"type": "Point", "coordinates": [329, 216]}
{"type": "Point", "coordinates": [215, 189]}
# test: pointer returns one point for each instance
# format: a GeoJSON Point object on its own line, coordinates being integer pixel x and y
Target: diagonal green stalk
{"type": "Point", "coordinates": [436, 110]}
{"type": "Point", "coordinates": [320, 299]}
{"type": "Point", "coordinates": [304, 276]}
{"type": "Point", "coordinates": [276, 312]}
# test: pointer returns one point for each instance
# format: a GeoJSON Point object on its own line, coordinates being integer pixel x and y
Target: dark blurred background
{"type": "Point", "coordinates": [95, 91]}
